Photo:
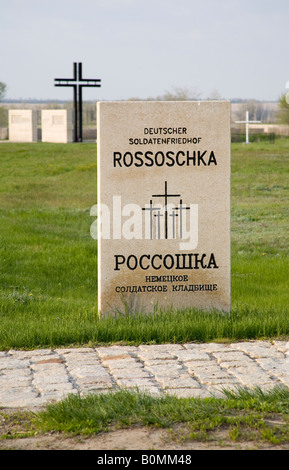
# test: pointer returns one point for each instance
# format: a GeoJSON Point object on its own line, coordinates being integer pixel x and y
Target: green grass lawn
{"type": "Point", "coordinates": [243, 414]}
{"type": "Point", "coordinates": [48, 268]}
{"type": "Point", "coordinates": [251, 417]}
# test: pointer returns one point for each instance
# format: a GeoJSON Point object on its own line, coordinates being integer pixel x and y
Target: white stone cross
{"type": "Point", "coordinates": [247, 122]}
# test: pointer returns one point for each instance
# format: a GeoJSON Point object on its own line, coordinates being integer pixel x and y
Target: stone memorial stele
{"type": "Point", "coordinates": [163, 205]}
{"type": "Point", "coordinates": [22, 125]}
{"type": "Point", "coordinates": [56, 125]}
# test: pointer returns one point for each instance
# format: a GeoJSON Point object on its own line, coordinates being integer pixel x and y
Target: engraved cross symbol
{"type": "Point", "coordinates": [166, 195]}
{"type": "Point", "coordinates": [181, 208]}
{"type": "Point", "coordinates": [151, 209]}
{"type": "Point", "coordinates": [178, 208]}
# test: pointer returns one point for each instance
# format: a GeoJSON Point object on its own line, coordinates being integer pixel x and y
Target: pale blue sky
{"type": "Point", "coordinates": [143, 48]}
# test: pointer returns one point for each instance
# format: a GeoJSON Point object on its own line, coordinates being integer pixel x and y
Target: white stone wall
{"type": "Point", "coordinates": [22, 125]}
{"type": "Point", "coordinates": [56, 125]}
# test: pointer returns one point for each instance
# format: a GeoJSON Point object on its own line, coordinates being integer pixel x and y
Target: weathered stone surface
{"type": "Point", "coordinates": [163, 205]}
{"type": "Point", "coordinates": [22, 125]}
{"type": "Point", "coordinates": [57, 125]}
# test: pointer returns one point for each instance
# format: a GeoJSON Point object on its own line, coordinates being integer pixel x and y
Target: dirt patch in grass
{"type": "Point", "coordinates": [17, 433]}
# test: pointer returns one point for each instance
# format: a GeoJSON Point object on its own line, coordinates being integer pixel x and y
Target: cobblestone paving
{"type": "Point", "coordinates": [31, 379]}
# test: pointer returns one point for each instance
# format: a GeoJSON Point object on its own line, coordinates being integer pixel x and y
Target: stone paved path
{"type": "Point", "coordinates": [31, 379]}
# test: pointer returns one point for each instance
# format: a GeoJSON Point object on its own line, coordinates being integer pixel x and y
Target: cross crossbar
{"type": "Point", "coordinates": [247, 122]}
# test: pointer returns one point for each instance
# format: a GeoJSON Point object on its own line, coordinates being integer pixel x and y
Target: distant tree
{"type": "Point", "coordinates": [135, 98]}
{"type": "Point", "coordinates": [180, 94]}
{"type": "Point", "coordinates": [258, 111]}
{"type": "Point", "coordinates": [3, 112]}
{"type": "Point", "coordinates": [255, 110]}
{"type": "Point", "coordinates": [214, 95]}
{"type": "Point", "coordinates": [283, 110]}
{"type": "Point", "coordinates": [177, 94]}
{"type": "Point", "coordinates": [3, 89]}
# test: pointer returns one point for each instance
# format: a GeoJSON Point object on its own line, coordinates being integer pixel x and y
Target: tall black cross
{"type": "Point", "coordinates": [77, 82]}
{"type": "Point", "coordinates": [166, 195]}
